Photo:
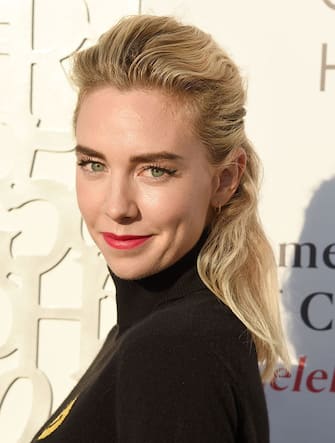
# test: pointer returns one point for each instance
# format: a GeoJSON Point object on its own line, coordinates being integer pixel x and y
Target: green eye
{"type": "Point", "coordinates": [96, 167]}
{"type": "Point", "coordinates": [157, 172]}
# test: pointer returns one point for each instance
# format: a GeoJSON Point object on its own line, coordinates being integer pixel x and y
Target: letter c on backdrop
{"type": "Point", "coordinates": [305, 313]}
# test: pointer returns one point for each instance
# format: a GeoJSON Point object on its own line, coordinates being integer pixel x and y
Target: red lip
{"type": "Point", "coordinates": [124, 241]}
{"type": "Point", "coordinates": [122, 237]}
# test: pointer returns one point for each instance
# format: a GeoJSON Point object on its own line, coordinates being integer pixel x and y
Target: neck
{"type": "Point", "coordinates": [137, 299]}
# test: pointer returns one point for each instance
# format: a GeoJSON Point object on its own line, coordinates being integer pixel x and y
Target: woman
{"type": "Point", "coordinates": [167, 183]}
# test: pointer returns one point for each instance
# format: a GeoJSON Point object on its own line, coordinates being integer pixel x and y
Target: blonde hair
{"type": "Point", "coordinates": [236, 262]}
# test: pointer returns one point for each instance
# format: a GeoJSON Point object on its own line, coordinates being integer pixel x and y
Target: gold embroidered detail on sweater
{"type": "Point", "coordinates": [57, 421]}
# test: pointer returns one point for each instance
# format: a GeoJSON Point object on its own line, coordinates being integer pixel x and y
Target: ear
{"type": "Point", "coordinates": [228, 177]}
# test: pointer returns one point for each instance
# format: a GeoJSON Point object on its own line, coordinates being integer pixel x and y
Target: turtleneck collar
{"type": "Point", "coordinates": [135, 299]}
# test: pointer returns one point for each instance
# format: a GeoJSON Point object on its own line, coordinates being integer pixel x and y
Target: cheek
{"type": "Point", "coordinates": [196, 203]}
{"type": "Point", "coordinates": [186, 201]}
{"type": "Point", "coordinates": [87, 200]}
{"type": "Point", "coordinates": [162, 204]}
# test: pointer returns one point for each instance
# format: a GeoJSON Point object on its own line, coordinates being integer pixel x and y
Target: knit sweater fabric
{"type": "Point", "coordinates": [178, 367]}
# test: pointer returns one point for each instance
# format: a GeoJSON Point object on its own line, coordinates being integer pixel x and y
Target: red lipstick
{"type": "Point", "coordinates": [124, 241]}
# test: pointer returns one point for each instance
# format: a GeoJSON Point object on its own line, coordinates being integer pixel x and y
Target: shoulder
{"type": "Point", "coordinates": [198, 328]}
{"type": "Point", "coordinates": [199, 316]}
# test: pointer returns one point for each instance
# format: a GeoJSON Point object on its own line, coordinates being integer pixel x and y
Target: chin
{"type": "Point", "coordinates": [131, 274]}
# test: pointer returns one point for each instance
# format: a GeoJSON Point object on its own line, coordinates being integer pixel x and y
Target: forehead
{"type": "Point", "coordinates": [138, 118]}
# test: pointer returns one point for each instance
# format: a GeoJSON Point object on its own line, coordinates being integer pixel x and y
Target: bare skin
{"type": "Point", "coordinates": [143, 172]}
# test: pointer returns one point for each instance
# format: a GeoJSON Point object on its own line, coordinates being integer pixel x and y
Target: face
{"type": "Point", "coordinates": [144, 185]}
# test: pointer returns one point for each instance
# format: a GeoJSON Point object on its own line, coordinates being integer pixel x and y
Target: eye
{"type": "Point", "coordinates": [97, 167]}
{"type": "Point", "coordinates": [91, 166]}
{"type": "Point", "coordinates": [158, 172]}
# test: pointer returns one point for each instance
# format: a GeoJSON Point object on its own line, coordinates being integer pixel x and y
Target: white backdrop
{"type": "Point", "coordinates": [53, 315]}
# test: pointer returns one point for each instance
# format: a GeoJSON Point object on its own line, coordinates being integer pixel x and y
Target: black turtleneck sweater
{"type": "Point", "coordinates": [178, 367]}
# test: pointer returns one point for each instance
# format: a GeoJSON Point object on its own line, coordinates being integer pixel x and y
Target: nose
{"type": "Point", "coordinates": [120, 200]}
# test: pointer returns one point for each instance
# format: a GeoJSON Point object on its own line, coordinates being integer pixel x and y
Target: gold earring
{"type": "Point", "coordinates": [218, 208]}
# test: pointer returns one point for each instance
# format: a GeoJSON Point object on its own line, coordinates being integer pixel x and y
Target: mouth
{"type": "Point", "coordinates": [124, 241]}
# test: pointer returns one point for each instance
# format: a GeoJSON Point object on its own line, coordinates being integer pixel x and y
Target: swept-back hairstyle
{"type": "Point", "coordinates": [236, 262]}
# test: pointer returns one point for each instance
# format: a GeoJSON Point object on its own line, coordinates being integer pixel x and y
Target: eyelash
{"type": "Point", "coordinates": [167, 171]}
{"type": "Point", "coordinates": [84, 162]}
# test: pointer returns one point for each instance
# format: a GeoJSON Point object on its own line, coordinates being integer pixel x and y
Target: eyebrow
{"type": "Point", "coordinates": [141, 158]}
